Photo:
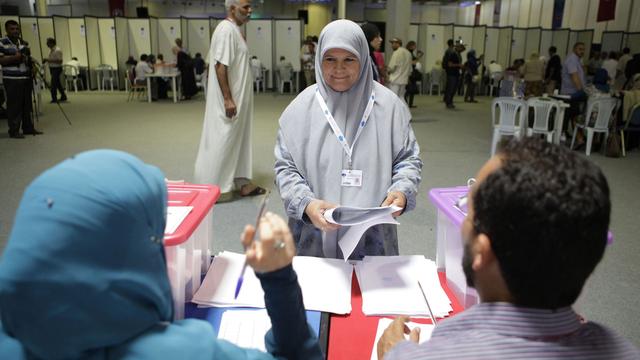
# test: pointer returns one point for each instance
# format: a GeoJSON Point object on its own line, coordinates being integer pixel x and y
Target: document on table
{"type": "Point", "coordinates": [325, 284]}
{"type": "Point", "coordinates": [383, 324]}
{"type": "Point", "coordinates": [175, 217]}
{"type": "Point", "coordinates": [245, 328]}
{"type": "Point", "coordinates": [358, 220]}
{"type": "Point", "coordinates": [389, 286]}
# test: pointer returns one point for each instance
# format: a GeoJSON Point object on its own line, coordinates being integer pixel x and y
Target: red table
{"type": "Point", "coordinates": [351, 336]}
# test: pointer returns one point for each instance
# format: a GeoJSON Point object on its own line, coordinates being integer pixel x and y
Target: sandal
{"type": "Point", "coordinates": [255, 192]}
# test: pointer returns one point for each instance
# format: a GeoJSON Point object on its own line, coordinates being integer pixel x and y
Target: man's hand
{"type": "Point", "coordinates": [275, 250]}
{"type": "Point", "coordinates": [230, 108]}
{"type": "Point", "coordinates": [396, 198]}
{"type": "Point", "coordinates": [395, 334]}
{"type": "Point", "coordinates": [18, 56]}
{"type": "Point", "coordinates": [315, 211]}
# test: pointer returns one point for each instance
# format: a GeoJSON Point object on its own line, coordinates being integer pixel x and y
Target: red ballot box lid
{"type": "Point", "coordinates": [201, 197]}
{"type": "Point", "coordinates": [351, 336]}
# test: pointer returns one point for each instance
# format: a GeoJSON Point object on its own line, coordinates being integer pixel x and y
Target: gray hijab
{"type": "Point", "coordinates": [347, 106]}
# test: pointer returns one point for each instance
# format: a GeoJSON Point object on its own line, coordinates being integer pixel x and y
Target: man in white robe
{"type": "Point", "coordinates": [224, 156]}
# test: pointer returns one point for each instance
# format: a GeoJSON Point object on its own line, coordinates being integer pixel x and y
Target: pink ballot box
{"type": "Point", "coordinates": [449, 245]}
{"type": "Point", "coordinates": [188, 238]}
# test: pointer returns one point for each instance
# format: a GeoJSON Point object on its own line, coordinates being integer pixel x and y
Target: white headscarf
{"type": "Point", "coordinates": [349, 105]}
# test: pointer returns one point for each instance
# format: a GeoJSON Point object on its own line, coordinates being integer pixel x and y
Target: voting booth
{"type": "Point", "coordinates": [188, 247]}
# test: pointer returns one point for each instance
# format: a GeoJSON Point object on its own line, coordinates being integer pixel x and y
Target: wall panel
{"type": "Point", "coordinates": [139, 37]}
{"type": "Point", "coordinates": [260, 41]}
{"type": "Point", "coordinates": [435, 44]}
{"type": "Point", "coordinates": [518, 44]}
{"type": "Point", "coordinates": [78, 37]}
{"type": "Point", "coordinates": [199, 36]}
{"type": "Point", "coordinates": [168, 31]}
{"type": "Point", "coordinates": [612, 41]}
{"type": "Point", "coordinates": [533, 42]}
{"type": "Point", "coordinates": [63, 41]}
{"type": "Point", "coordinates": [561, 41]}
{"type": "Point", "coordinates": [491, 45]}
{"type": "Point", "coordinates": [504, 46]}
{"type": "Point", "coordinates": [546, 41]}
{"type": "Point", "coordinates": [30, 33]}
{"type": "Point", "coordinates": [107, 34]}
{"type": "Point", "coordinates": [288, 37]}
{"type": "Point", "coordinates": [94, 57]}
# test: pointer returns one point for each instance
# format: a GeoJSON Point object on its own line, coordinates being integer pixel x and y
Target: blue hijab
{"type": "Point", "coordinates": [84, 268]}
{"type": "Point", "coordinates": [601, 80]}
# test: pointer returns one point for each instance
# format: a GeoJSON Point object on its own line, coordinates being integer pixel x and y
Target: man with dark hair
{"type": "Point", "coordinates": [55, 67]}
{"type": "Point", "coordinates": [552, 74]}
{"type": "Point", "coordinates": [16, 73]}
{"type": "Point", "coordinates": [535, 230]}
{"type": "Point", "coordinates": [452, 63]}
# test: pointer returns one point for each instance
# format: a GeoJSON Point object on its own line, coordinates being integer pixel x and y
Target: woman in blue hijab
{"type": "Point", "coordinates": [84, 272]}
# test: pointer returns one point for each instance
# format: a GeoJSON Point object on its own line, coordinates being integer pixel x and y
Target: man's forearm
{"type": "Point", "coordinates": [223, 81]}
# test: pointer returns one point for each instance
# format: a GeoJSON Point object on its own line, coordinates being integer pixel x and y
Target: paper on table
{"type": "Point", "coordinates": [245, 328]}
{"type": "Point", "coordinates": [175, 217]}
{"type": "Point", "coordinates": [383, 324]}
{"type": "Point", "coordinates": [325, 284]}
{"type": "Point", "coordinates": [358, 220]}
{"type": "Point", "coordinates": [389, 286]}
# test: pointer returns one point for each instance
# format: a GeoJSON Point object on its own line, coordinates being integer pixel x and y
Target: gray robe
{"type": "Point", "coordinates": [309, 158]}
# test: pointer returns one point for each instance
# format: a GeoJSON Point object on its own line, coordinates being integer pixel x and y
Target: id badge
{"type": "Point", "coordinates": [352, 178]}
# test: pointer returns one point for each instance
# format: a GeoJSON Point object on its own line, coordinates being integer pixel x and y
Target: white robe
{"type": "Point", "coordinates": [225, 145]}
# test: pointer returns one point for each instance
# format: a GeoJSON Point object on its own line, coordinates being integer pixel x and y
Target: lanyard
{"type": "Point", "coordinates": [336, 130]}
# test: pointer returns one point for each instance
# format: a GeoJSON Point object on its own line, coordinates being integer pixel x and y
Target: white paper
{"type": "Point", "coordinates": [325, 284]}
{"type": "Point", "coordinates": [389, 286]}
{"type": "Point", "coordinates": [383, 324]}
{"type": "Point", "coordinates": [358, 220]}
{"type": "Point", "coordinates": [175, 217]}
{"type": "Point", "coordinates": [245, 328]}
{"type": "Point", "coordinates": [82, 30]}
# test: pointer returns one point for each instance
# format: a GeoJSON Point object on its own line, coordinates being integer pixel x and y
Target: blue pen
{"type": "Point", "coordinates": [263, 206]}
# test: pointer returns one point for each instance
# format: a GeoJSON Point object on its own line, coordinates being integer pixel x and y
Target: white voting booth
{"type": "Point", "coordinates": [198, 36]}
{"type": "Point", "coordinates": [533, 42]}
{"type": "Point", "coordinates": [561, 42]}
{"type": "Point", "coordinates": [504, 46]}
{"type": "Point", "coordinates": [518, 45]}
{"type": "Point", "coordinates": [491, 45]}
{"type": "Point", "coordinates": [260, 43]}
{"type": "Point", "coordinates": [546, 41]}
{"type": "Point", "coordinates": [633, 42]}
{"type": "Point", "coordinates": [168, 31]}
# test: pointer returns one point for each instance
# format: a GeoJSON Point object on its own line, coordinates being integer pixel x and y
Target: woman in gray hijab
{"type": "Point", "coordinates": [345, 141]}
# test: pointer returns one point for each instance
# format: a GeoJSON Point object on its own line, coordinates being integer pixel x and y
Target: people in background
{"type": "Point", "coordinates": [187, 74]}
{"type": "Point", "coordinates": [452, 64]}
{"type": "Point", "coordinates": [131, 61]}
{"type": "Point", "coordinates": [175, 49]}
{"type": "Point", "coordinates": [574, 82]}
{"type": "Point", "coordinates": [533, 203]}
{"type": "Point", "coordinates": [416, 74]}
{"type": "Point", "coordinates": [162, 83]}
{"type": "Point", "coordinates": [142, 68]}
{"type": "Point", "coordinates": [82, 75]}
{"type": "Point", "coordinates": [55, 68]}
{"type": "Point", "coordinates": [494, 67]}
{"type": "Point", "coordinates": [533, 74]}
{"type": "Point", "coordinates": [315, 171]}
{"type": "Point", "coordinates": [399, 68]}
{"type": "Point", "coordinates": [97, 256]}
{"type": "Point", "coordinates": [611, 66]}
{"type": "Point", "coordinates": [224, 155]}
{"type": "Point", "coordinates": [594, 63]}
{"type": "Point", "coordinates": [16, 76]}
{"type": "Point", "coordinates": [553, 71]}
{"type": "Point", "coordinates": [199, 64]}
{"type": "Point", "coordinates": [256, 68]}
{"type": "Point", "coordinates": [372, 33]}
{"type": "Point", "coordinates": [307, 58]}
{"type": "Point", "coordinates": [285, 70]}
{"type": "Point", "coordinates": [471, 76]}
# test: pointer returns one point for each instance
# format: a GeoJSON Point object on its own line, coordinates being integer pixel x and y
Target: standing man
{"type": "Point", "coordinates": [399, 68]}
{"type": "Point", "coordinates": [224, 156]}
{"type": "Point", "coordinates": [573, 83]}
{"type": "Point", "coordinates": [553, 71]}
{"type": "Point", "coordinates": [55, 67]}
{"type": "Point", "coordinates": [16, 74]}
{"type": "Point", "coordinates": [308, 57]}
{"type": "Point", "coordinates": [452, 63]}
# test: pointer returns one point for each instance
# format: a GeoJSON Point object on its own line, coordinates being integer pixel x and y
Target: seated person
{"type": "Point", "coordinates": [535, 230]}
{"type": "Point", "coordinates": [90, 281]}
{"type": "Point", "coordinates": [142, 68]}
{"type": "Point", "coordinates": [81, 74]}
{"type": "Point", "coordinates": [199, 64]}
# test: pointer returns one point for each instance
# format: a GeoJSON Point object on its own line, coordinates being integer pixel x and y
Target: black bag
{"type": "Point", "coordinates": [613, 147]}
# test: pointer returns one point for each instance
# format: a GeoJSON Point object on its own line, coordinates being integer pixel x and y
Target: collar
{"type": "Point", "coordinates": [511, 320]}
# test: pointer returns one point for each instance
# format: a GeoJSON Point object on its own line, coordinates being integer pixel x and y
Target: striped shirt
{"type": "Point", "coordinates": [506, 331]}
{"type": "Point", "coordinates": [13, 71]}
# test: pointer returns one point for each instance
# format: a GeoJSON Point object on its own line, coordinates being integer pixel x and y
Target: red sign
{"type": "Point", "coordinates": [607, 10]}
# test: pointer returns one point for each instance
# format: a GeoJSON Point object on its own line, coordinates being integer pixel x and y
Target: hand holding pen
{"type": "Point", "coordinates": [275, 249]}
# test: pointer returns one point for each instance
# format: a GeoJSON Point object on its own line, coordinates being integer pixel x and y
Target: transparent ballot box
{"type": "Point", "coordinates": [188, 246]}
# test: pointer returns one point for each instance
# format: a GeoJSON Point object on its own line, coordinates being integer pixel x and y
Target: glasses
{"type": "Point", "coordinates": [461, 203]}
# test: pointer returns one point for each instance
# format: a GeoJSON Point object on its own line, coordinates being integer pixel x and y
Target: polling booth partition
{"type": "Point", "coordinates": [153, 25]}
{"type": "Point", "coordinates": [633, 42]}
{"type": "Point", "coordinates": [518, 45]}
{"type": "Point", "coordinates": [260, 41]}
{"type": "Point", "coordinates": [561, 42]}
{"type": "Point", "coordinates": [168, 31]}
{"type": "Point", "coordinates": [546, 41]}
{"type": "Point", "coordinates": [533, 42]}
{"type": "Point", "coordinates": [198, 36]}
{"type": "Point", "coordinates": [505, 37]}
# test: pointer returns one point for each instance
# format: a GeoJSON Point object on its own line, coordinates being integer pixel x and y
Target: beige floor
{"type": "Point", "coordinates": [454, 145]}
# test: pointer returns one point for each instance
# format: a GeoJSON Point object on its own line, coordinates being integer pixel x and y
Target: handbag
{"type": "Point", "coordinates": [613, 147]}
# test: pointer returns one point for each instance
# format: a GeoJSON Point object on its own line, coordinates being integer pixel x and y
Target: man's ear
{"type": "Point", "coordinates": [483, 254]}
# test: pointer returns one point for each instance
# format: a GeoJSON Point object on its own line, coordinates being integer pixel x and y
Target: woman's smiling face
{"type": "Point", "coordinates": [340, 69]}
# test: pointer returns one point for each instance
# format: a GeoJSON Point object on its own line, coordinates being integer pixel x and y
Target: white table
{"type": "Point", "coordinates": [173, 75]}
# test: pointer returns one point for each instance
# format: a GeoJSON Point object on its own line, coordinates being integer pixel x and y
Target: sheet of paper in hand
{"type": "Point", "coordinates": [358, 220]}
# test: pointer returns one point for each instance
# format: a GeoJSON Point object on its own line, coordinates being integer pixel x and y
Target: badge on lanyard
{"type": "Point", "coordinates": [351, 178]}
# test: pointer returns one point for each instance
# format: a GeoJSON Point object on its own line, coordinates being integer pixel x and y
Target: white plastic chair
{"type": "Point", "coordinates": [513, 113]}
{"type": "Point", "coordinates": [494, 81]}
{"type": "Point", "coordinates": [605, 108]}
{"type": "Point", "coordinates": [201, 81]}
{"type": "Point", "coordinates": [285, 75]}
{"type": "Point", "coordinates": [435, 79]}
{"type": "Point", "coordinates": [71, 75]}
{"type": "Point", "coordinates": [258, 81]}
{"type": "Point", "coordinates": [541, 115]}
{"type": "Point", "coordinates": [107, 76]}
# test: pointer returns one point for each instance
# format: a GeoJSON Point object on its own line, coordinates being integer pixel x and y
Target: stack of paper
{"type": "Point", "coordinates": [383, 324]}
{"type": "Point", "coordinates": [389, 286]}
{"type": "Point", "coordinates": [245, 328]}
{"type": "Point", "coordinates": [325, 284]}
{"type": "Point", "coordinates": [358, 220]}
